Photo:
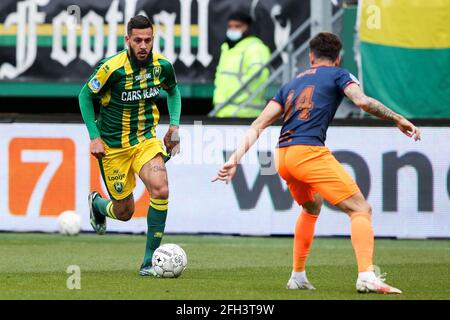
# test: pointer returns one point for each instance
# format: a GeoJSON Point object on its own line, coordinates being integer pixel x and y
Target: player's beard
{"type": "Point", "coordinates": [137, 62]}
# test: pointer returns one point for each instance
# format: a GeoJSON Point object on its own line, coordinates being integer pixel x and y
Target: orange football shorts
{"type": "Point", "coordinates": [311, 169]}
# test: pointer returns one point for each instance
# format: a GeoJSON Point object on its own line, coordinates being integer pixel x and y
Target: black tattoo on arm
{"type": "Point", "coordinates": [370, 105]}
{"type": "Point", "coordinates": [379, 110]}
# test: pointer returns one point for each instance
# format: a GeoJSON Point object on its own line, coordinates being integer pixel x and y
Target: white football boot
{"type": "Point", "coordinates": [299, 284]}
{"type": "Point", "coordinates": [375, 285]}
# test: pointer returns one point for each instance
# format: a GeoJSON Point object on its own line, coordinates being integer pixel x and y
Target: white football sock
{"type": "Point", "coordinates": [367, 276]}
{"type": "Point", "coordinates": [299, 275]}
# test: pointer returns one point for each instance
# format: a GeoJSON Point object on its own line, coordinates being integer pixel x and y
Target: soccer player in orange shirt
{"type": "Point", "coordinates": [308, 104]}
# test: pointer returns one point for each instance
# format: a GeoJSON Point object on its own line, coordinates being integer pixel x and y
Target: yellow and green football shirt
{"type": "Point", "coordinates": [127, 94]}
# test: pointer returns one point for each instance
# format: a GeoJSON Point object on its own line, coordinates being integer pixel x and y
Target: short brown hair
{"type": "Point", "coordinates": [138, 22]}
{"type": "Point", "coordinates": [325, 45]}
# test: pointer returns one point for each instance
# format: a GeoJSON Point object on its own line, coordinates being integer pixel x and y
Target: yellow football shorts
{"type": "Point", "coordinates": [120, 165]}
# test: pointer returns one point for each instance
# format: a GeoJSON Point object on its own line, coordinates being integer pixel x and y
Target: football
{"type": "Point", "coordinates": [69, 223]}
{"type": "Point", "coordinates": [169, 260]}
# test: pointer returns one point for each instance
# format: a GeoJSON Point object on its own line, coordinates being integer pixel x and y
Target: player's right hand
{"type": "Point", "coordinates": [226, 173]}
{"type": "Point", "coordinates": [97, 148]}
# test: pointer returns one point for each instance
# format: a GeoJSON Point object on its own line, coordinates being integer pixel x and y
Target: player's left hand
{"type": "Point", "coordinates": [409, 129]}
{"type": "Point", "coordinates": [172, 140]}
{"type": "Point", "coordinates": [226, 173]}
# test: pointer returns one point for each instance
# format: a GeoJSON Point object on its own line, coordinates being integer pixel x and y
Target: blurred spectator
{"type": "Point", "coordinates": [242, 54]}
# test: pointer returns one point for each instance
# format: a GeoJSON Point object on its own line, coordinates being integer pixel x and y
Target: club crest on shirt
{"type": "Point", "coordinates": [156, 72]}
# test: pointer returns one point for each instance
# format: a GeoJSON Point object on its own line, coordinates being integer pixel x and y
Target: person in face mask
{"type": "Point", "coordinates": [242, 54]}
{"type": "Point", "coordinates": [238, 28]}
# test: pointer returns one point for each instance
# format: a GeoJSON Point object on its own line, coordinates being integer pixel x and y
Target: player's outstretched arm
{"type": "Point", "coordinates": [379, 110]}
{"type": "Point", "coordinates": [268, 116]}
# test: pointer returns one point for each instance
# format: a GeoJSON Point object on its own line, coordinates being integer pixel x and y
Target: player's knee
{"type": "Point", "coordinates": [363, 206]}
{"type": "Point", "coordinates": [161, 192]}
{"type": "Point", "coordinates": [125, 214]}
{"type": "Point", "coordinates": [355, 204]}
{"type": "Point", "coordinates": [126, 217]}
{"type": "Point", "coordinates": [367, 208]}
{"type": "Point", "coordinates": [313, 209]}
{"type": "Point", "coordinates": [312, 212]}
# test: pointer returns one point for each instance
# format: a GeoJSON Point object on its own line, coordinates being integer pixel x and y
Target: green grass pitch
{"type": "Point", "coordinates": [33, 266]}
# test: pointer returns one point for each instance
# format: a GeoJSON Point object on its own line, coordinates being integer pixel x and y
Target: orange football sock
{"type": "Point", "coordinates": [303, 238]}
{"type": "Point", "coordinates": [362, 240]}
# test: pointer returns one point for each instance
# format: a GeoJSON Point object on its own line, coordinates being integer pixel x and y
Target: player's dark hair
{"type": "Point", "coordinates": [325, 45]}
{"type": "Point", "coordinates": [138, 22]}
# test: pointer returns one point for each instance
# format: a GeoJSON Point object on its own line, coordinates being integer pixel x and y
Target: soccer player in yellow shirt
{"type": "Point", "coordinates": [123, 138]}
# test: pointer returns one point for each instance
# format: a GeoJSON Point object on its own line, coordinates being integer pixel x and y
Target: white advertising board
{"type": "Point", "coordinates": [47, 169]}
